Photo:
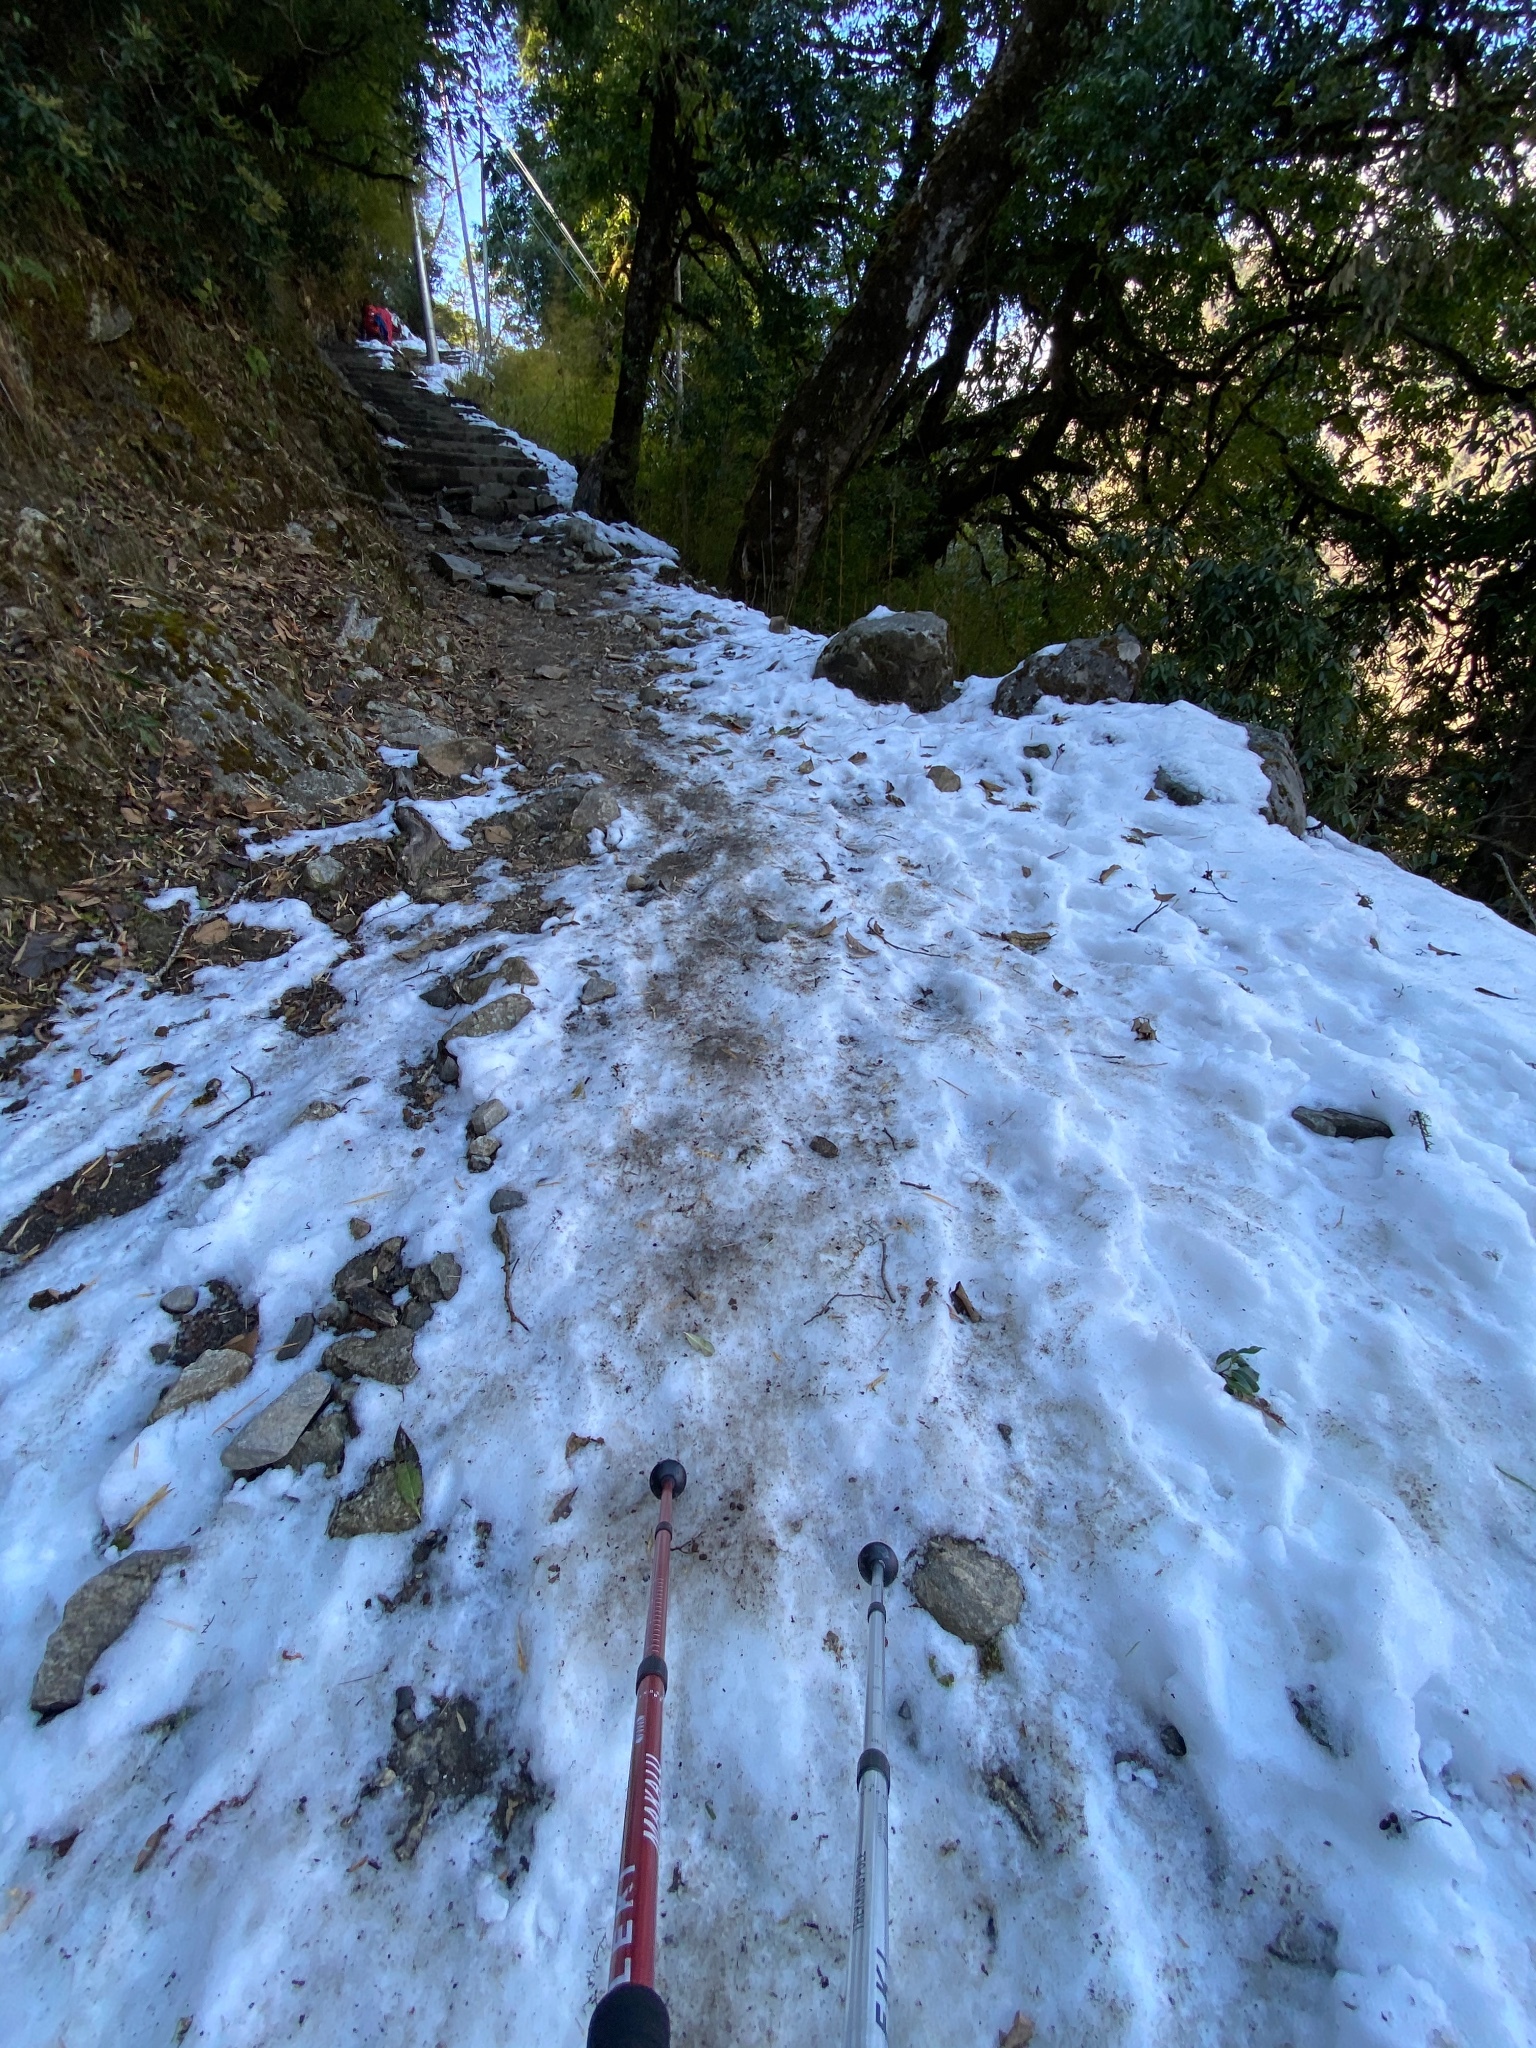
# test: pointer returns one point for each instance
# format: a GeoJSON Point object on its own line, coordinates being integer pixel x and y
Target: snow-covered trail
{"type": "Point", "coordinates": [1334, 1615]}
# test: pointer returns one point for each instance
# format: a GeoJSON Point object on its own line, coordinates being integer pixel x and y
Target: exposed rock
{"type": "Point", "coordinates": [179, 1301]}
{"type": "Point", "coordinates": [943, 778]}
{"type": "Point", "coordinates": [206, 1376]}
{"type": "Point", "coordinates": [416, 1314]}
{"type": "Point", "coordinates": [545, 601]}
{"type": "Point", "coordinates": [1184, 794]}
{"type": "Point", "coordinates": [94, 1616]}
{"type": "Point", "coordinates": [480, 1154]}
{"type": "Point", "coordinates": [769, 930]}
{"type": "Point", "coordinates": [324, 872]}
{"type": "Point", "coordinates": [113, 1184]}
{"type": "Point", "coordinates": [458, 756]}
{"type": "Point", "coordinates": [268, 1437]}
{"type": "Point", "coordinates": [1342, 1123]}
{"type": "Point", "coordinates": [514, 586]}
{"type": "Point", "coordinates": [1172, 1740]}
{"type": "Point", "coordinates": [380, 1267]}
{"type": "Point", "coordinates": [454, 569]}
{"type": "Point", "coordinates": [597, 989]}
{"type": "Point", "coordinates": [106, 319]}
{"type": "Point", "coordinates": [1077, 671]}
{"type": "Point", "coordinates": [500, 1014]}
{"type": "Point", "coordinates": [823, 1148]}
{"type": "Point", "coordinates": [893, 658]}
{"type": "Point", "coordinates": [967, 1590]}
{"type": "Point", "coordinates": [496, 543]}
{"type": "Point", "coordinates": [597, 810]}
{"type": "Point", "coordinates": [1287, 804]}
{"type": "Point", "coordinates": [438, 1279]}
{"type": "Point", "coordinates": [389, 1500]}
{"type": "Point", "coordinates": [485, 1116]}
{"type": "Point", "coordinates": [297, 1338]}
{"type": "Point", "coordinates": [387, 1355]}
{"type": "Point", "coordinates": [507, 1198]}
{"type": "Point", "coordinates": [404, 725]}
{"type": "Point", "coordinates": [318, 1112]}
{"type": "Point", "coordinates": [325, 1441]}
{"type": "Point", "coordinates": [422, 853]}
{"type": "Point", "coordinates": [359, 1226]}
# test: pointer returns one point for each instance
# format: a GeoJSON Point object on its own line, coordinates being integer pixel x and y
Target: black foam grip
{"type": "Point", "coordinates": [630, 2016]}
{"type": "Point", "coordinates": [652, 1667]}
{"type": "Point", "coordinates": [873, 1760]}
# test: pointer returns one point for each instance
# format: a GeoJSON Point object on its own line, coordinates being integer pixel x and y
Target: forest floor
{"type": "Point", "coordinates": [897, 1129]}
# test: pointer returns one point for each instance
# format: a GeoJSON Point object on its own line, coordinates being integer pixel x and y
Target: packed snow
{"type": "Point", "coordinates": [1256, 1764]}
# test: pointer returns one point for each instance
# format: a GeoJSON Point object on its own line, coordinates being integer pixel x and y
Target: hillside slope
{"type": "Point", "coordinates": [1255, 1764]}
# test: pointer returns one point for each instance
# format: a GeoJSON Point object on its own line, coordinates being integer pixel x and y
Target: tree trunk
{"type": "Point", "coordinates": [645, 301]}
{"type": "Point", "coordinates": [832, 423]}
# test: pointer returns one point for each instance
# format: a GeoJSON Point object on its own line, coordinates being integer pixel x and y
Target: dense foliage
{"type": "Point", "coordinates": [1247, 357]}
{"type": "Point", "coordinates": [218, 141]}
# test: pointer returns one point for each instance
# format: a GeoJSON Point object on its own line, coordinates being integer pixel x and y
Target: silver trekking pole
{"type": "Point", "coordinates": [865, 2020]}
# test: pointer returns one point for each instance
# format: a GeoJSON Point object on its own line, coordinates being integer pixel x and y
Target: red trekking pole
{"type": "Point", "coordinates": [631, 2014]}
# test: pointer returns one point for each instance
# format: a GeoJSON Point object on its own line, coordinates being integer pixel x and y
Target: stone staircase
{"type": "Point", "coordinates": [446, 457]}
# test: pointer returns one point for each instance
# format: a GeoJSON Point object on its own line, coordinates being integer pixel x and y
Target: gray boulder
{"type": "Point", "coordinates": [214, 1373]}
{"type": "Point", "coordinates": [1106, 671]}
{"type": "Point", "coordinates": [94, 1616]}
{"type": "Point", "coordinates": [967, 1590]}
{"type": "Point", "coordinates": [1287, 804]}
{"type": "Point", "coordinates": [893, 658]}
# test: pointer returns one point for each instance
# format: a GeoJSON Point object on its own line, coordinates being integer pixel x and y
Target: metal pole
{"type": "Point", "coordinates": [469, 254]}
{"type": "Point", "coordinates": [423, 284]}
{"type": "Point", "coordinates": [630, 2014]}
{"type": "Point", "coordinates": [865, 2022]}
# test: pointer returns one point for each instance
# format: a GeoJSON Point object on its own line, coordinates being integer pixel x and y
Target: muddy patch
{"type": "Point", "coordinates": [113, 1184]}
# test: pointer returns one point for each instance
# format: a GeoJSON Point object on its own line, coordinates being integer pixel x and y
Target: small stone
{"type": "Point", "coordinates": [480, 1154]}
{"type": "Point", "coordinates": [454, 569]}
{"type": "Point", "coordinates": [597, 810]}
{"type": "Point", "coordinates": [162, 1354]}
{"type": "Point", "coordinates": [211, 1374]}
{"type": "Point", "coordinates": [325, 872]}
{"type": "Point", "coordinates": [507, 1198]}
{"type": "Point", "coordinates": [778, 623]}
{"type": "Point", "coordinates": [318, 1112]}
{"type": "Point", "coordinates": [545, 601]}
{"type": "Point", "coordinates": [388, 1357]}
{"type": "Point", "coordinates": [268, 1437]}
{"type": "Point", "coordinates": [1184, 794]}
{"type": "Point", "coordinates": [94, 1616]}
{"type": "Point", "coordinates": [380, 1267]}
{"type": "Point", "coordinates": [1342, 1123]}
{"type": "Point", "coordinates": [485, 1116]}
{"type": "Point", "coordinates": [324, 1442]}
{"type": "Point", "coordinates": [502, 1013]}
{"type": "Point", "coordinates": [597, 989]}
{"type": "Point", "coordinates": [456, 756]}
{"type": "Point", "coordinates": [416, 1314]}
{"type": "Point", "coordinates": [443, 521]}
{"type": "Point", "coordinates": [769, 930]}
{"type": "Point", "coordinates": [967, 1590]}
{"type": "Point", "coordinates": [389, 1500]}
{"type": "Point", "coordinates": [944, 778]}
{"type": "Point", "coordinates": [297, 1338]}
{"type": "Point", "coordinates": [359, 1226]}
{"type": "Point", "coordinates": [1143, 1027]}
{"type": "Point", "coordinates": [823, 1148]}
{"type": "Point", "coordinates": [107, 320]}
{"type": "Point", "coordinates": [179, 1301]}
{"type": "Point", "coordinates": [1172, 1740]}
{"type": "Point", "coordinates": [438, 1279]}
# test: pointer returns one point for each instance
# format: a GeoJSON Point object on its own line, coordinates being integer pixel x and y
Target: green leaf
{"type": "Point", "coordinates": [700, 1344]}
